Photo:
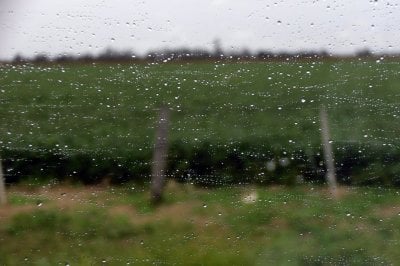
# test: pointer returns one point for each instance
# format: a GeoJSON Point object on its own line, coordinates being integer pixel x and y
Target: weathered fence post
{"type": "Point", "coordinates": [160, 156]}
{"type": "Point", "coordinates": [328, 153]}
{"type": "Point", "coordinates": [3, 197]}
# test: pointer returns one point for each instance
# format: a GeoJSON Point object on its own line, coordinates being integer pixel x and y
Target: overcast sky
{"type": "Point", "coordinates": [79, 26]}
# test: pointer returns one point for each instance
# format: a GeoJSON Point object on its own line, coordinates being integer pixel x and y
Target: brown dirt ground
{"type": "Point", "coordinates": [69, 198]}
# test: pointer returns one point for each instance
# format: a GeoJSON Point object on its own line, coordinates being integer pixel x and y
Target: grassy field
{"type": "Point", "coordinates": [227, 118]}
{"type": "Point", "coordinates": [73, 225]}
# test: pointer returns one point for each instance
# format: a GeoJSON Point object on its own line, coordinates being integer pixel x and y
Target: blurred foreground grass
{"type": "Point", "coordinates": [64, 225]}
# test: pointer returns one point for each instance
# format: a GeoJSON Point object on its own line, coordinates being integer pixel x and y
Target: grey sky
{"type": "Point", "coordinates": [74, 26]}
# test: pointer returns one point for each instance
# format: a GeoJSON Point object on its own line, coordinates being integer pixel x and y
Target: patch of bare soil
{"type": "Point", "coordinates": [9, 211]}
{"type": "Point", "coordinates": [337, 194]}
{"type": "Point", "coordinates": [173, 213]}
{"type": "Point", "coordinates": [60, 197]}
{"type": "Point", "coordinates": [68, 198]}
{"type": "Point", "coordinates": [388, 211]}
{"type": "Point", "coordinates": [278, 223]}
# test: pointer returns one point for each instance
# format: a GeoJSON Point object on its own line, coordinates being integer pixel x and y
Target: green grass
{"type": "Point", "coordinates": [103, 116]}
{"type": "Point", "coordinates": [105, 107]}
{"type": "Point", "coordinates": [26, 200]}
{"type": "Point", "coordinates": [284, 226]}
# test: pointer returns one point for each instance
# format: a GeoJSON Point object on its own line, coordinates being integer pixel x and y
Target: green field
{"type": "Point", "coordinates": [86, 122]}
{"type": "Point", "coordinates": [65, 225]}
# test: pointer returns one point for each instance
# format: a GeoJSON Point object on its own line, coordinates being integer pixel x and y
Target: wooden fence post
{"type": "Point", "coordinates": [160, 156]}
{"type": "Point", "coordinates": [328, 153]}
{"type": "Point", "coordinates": [3, 196]}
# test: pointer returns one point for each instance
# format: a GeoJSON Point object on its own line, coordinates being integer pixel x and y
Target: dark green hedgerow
{"type": "Point", "coordinates": [212, 165]}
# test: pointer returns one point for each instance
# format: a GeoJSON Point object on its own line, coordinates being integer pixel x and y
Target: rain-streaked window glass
{"type": "Point", "coordinates": [207, 132]}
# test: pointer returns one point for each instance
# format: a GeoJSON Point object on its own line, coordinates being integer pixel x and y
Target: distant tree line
{"type": "Point", "coordinates": [111, 55]}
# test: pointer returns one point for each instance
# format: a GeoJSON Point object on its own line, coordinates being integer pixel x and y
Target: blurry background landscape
{"type": "Point", "coordinates": [81, 85]}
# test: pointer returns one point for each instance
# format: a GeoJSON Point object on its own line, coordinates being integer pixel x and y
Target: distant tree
{"type": "Point", "coordinates": [324, 53]}
{"type": "Point", "coordinates": [85, 58]}
{"type": "Point", "coordinates": [218, 52]}
{"type": "Point", "coordinates": [107, 54]}
{"type": "Point", "coordinates": [110, 54]}
{"type": "Point", "coordinates": [18, 59]}
{"type": "Point", "coordinates": [264, 55]}
{"type": "Point", "coordinates": [64, 58]}
{"type": "Point", "coordinates": [364, 53]}
{"type": "Point", "coordinates": [40, 58]}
